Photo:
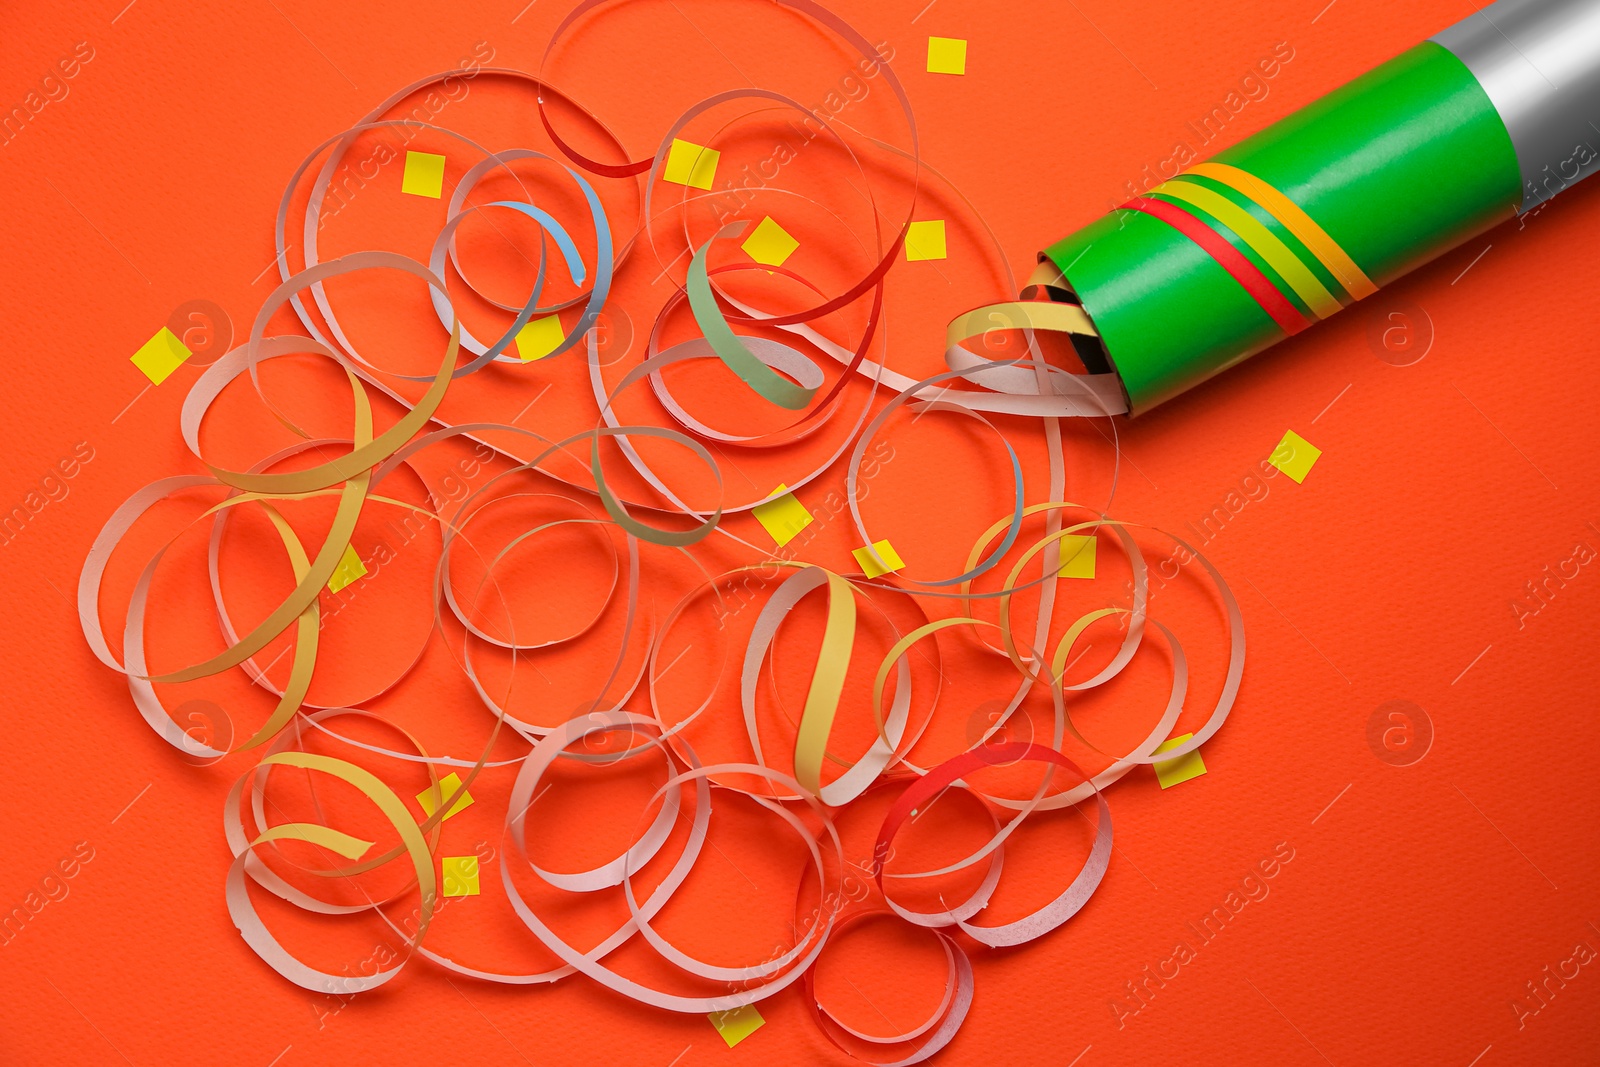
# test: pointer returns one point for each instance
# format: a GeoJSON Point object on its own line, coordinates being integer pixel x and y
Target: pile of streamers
{"type": "Point", "coordinates": [625, 720]}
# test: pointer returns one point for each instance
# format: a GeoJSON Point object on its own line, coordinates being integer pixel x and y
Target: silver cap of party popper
{"type": "Point", "coordinates": [1539, 62]}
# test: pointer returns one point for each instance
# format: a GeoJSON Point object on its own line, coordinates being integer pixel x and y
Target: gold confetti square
{"type": "Point", "coordinates": [737, 1024]}
{"type": "Point", "coordinates": [1294, 456]}
{"type": "Point", "coordinates": [447, 787]}
{"type": "Point", "coordinates": [540, 337]}
{"type": "Point", "coordinates": [161, 355]}
{"type": "Point", "coordinates": [871, 567]}
{"type": "Point", "coordinates": [947, 55]}
{"type": "Point", "coordinates": [783, 517]}
{"type": "Point", "coordinates": [691, 164]}
{"type": "Point", "coordinates": [424, 175]}
{"type": "Point", "coordinates": [350, 569]}
{"type": "Point", "coordinates": [1175, 771]}
{"type": "Point", "coordinates": [1077, 556]}
{"type": "Point", "coordinates": [770, 243]}
{"type": "Point", "coordinates": [460, 875]}
{"type": "Point", "coordinates": [925, 240]}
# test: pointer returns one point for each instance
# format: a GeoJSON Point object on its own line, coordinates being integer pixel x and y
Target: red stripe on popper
{"type": "Point", "coordinates": [1247, 274]}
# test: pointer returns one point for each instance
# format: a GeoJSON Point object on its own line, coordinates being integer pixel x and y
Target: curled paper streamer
{"type": "Point", "coordinates": [829, 402]}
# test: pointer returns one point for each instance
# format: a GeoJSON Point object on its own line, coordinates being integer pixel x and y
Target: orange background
{"type": "Point", "coordinates": [1420, 899]}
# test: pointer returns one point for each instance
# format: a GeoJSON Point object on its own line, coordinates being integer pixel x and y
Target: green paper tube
{"type": "Point", "coordinates": [1446, 140]}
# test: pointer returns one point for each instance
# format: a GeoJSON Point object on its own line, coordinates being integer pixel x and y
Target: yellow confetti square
{"type": "Point", "coordinates": [447, 787]}
{"type": "Point", "coordinates": [1174, 771]}
{"type": "Point", "coordinates": [769, 243]}
{"type": "Point", "coordinates": [460, 875]}
{"type": "Point", "coordinates": [1077, 557]}
{"type": "Point", "coordinates": [424, 175]}
{"type": "Point", "coordinates": [540, 337]}
{"type": "Point", "coordinates": [947, 55]}
{"type": "Point", "coordinates": [691, 164]}
{"type": "Point", "coordinates": [161, 355]}
{"type": "Point", "coordinates": [871, 567]}
{"type": "Point", "coordinates": [925, 240]}
{"type": "Point", "coordinates": [737, 1024]}
{"type": "Point", "coordinates": [349, 569]}
{"type": "Point", "coordinates": [1294, 456]}
{"type": "Point", "coordinates": [783, 517]}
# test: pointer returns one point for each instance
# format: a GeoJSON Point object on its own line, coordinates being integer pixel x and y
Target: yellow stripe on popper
{"type": "Point", "coordinates": [736, 1024]}
{"type": "Point", "coordinates": [691, 164]}
{"type": "Point", "coordinates": [424, 175]}
{"type": "Point", "coordinates": [1177, 771]}
{"type": "Point", "coordinates": [160, 356]}
{"type": "Point", "coordinates": [1077, 556]}
{"type": "Point", "coordinates": [783, 517]}
{"type": "Point", "coordinates": [349, 570]}
{"type": "Point", "coordinates": [925, 240]}
{"type": "Point", "coordinates": [871, 567]}
{"type": "Point", "coordinates": [540, 337]}
{"type": "Point", "coordinates": [1296, 221]}
{"type": "Point", "coordinates": [1294, 456]}
{"type": "Point", "coordinates": [947, 55]}
{"type": "Point", "coordinates": [448, 785]}
{"type": "Point", "coordinates": [460, 875]}
{"type": "Point", "coordinates": [769, 243]}
{"type": "Point", "coordinates": [1265, 243]}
